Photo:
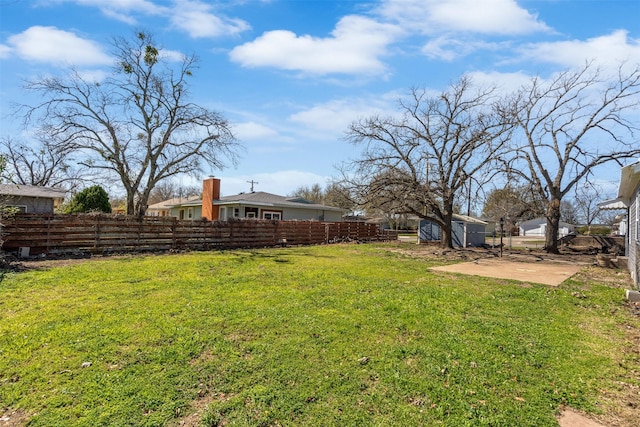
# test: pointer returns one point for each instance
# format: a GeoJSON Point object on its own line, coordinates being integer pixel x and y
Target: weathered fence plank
{"type": "Point", "coordinates": [120, 233]}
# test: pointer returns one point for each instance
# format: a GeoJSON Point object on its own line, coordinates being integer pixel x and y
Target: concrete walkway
{"type": "Point", "coordinates": [540, 272]}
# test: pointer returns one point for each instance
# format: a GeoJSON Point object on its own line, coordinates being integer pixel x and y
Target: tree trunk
{"type": "Point", "coordinates": [553, 226]}
{"type": "Point", "coordinates": [130, 205]}
{"type": "Point", "coordinates": [446, 232]}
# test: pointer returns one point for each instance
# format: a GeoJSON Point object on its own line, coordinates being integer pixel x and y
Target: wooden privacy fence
{"type": "Point", "coordinates": [51, 234]}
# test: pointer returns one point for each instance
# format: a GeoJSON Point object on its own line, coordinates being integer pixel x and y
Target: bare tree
{"type": "Point", "coordinates": [43, 163]}
{"type": "Point", "coordinates": [568, 126]}
{"type": "Point", "coordinates": [569, 212]}
{"type": "Point", "coordinates": [513, 203]}
{"type": "Point", "coordinates": [137, 124]}
{"type": "Point", "coordinates": [313, 193]}
{"type": "Point", "coordinates": [168, 189]}
{"type": "Point", "coordinates": [418, 163]}
{"type": "Point", "coordinates": [336, 194]}
{"type": "Point", "coordinates": [586, 198]}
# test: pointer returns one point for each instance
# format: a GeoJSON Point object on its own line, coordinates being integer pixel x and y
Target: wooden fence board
{"type": "Point", "coordinates": [112, 233]}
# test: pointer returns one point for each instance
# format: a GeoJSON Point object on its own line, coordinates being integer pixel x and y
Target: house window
{"type": "Point", "coordinates": [190, 213]}
{"type": "Point", "coordinates": [236, 212]}
{"type": "Point", "coordinates": [251, 212]}
{"type": "Point", "coordinates": [181, 214]}
{"type": "Point", "coordinates": [223, 214]}
{"type": "Point", "coordinates": [271, 215]}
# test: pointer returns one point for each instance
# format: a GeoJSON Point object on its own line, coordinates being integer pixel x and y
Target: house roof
{"type": "Point", "coordinates": [176, 201]}
{"type": "Point", "coordinates": [262, 198]}
{"type": "Point", "coordinates": [629, 181]}
{"type": "Point", "coordinates": [32, 191]}
{"type": "Point", "coordinates": [542, 220]}
{"type": "Point", "coordinates": [258, 198]}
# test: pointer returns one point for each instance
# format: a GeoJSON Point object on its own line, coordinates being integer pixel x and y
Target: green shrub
{"type": "Point", "coordinates": [92, 199]}
{"type": "Point", "coordinates": [594, 230]}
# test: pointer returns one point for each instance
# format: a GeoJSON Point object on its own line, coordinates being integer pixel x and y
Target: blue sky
{"type": "Point", "coordinates": [292, 74]}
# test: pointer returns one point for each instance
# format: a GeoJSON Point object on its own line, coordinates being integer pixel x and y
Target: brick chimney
{"type": "Point", "coordinates": [210, 192]}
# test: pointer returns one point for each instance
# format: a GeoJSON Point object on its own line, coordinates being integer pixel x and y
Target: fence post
{"type": "Point", "coordinates": [96, 242]}
{"type": "Point", "coordinates": [173, 232]}
{"type": "Point", "coordinates": [48, 232]}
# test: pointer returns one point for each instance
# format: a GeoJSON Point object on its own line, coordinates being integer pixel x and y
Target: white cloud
{"type": "Point", "coordinates": [196, 18]}
{"type": "Point", "coordinates": [486, 16]}
{"type": "Point", "coordinates": [610, 49]}
{"type": "Point", "coordinates": [448, 49]}
{"type": "Point", "coordinates": [334, 117]}
{"type": "Point", "coordinates": [253, 131]}
{"type": "Point", "coordinates": [355, 46]}
{"type": "Point", "coordinates": [58, 47]}
{"type": "Point", "coordinates": [504, 82]}
{"type": "Point", "coordinates": [172, 55]}
{"type": "Point", "coordinates": [121, 10]}
{"type": "Point", "coordinates": [5, 51]}
{"type": "Point", "coordinates": [93, 75]}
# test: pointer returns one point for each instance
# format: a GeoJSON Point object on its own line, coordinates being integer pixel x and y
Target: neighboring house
{"type": "Point", "coordinates": [257, 205]}
{"type": "Point", "coordinates": [31, 198]}
{"type": "Point", "coordinates": [466, 231]}
{"type": "Point", "coordinates": [629, 197]}
{"type": "Point", "coordinates": [164, 208]}
{"type": "Point", "coordinates": [538, 227]}
{"type": "Point", "coordinates": [620, 225]}
{"type": "Point", "coordinates": [396, 222]}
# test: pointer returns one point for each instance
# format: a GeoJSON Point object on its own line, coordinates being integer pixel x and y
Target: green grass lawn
{"type": "Point", "coordinates": [341, 335]}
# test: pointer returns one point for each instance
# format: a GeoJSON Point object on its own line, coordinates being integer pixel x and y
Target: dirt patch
{"type": "Point", "coordinates": [570, 418]}
{"type": "Point", "coordinates": [13, 418]}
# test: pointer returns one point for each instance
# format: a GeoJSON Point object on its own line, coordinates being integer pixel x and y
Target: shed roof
{"type": "Point", "coordinates": [32, 191]}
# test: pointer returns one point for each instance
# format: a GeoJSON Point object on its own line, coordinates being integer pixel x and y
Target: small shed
{"type": "Point", "coordinates": [538, 227]}
{"type": "Point", "coordinates": [31, 198]}
{"type": "Point", "coordinates": [466, 231]}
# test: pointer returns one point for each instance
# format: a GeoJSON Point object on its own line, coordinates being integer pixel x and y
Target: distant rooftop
{"type": "Point", "coordinates": [31, 191]}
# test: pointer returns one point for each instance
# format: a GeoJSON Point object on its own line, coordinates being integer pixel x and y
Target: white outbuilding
{"type": "Point", "coordinates": [538, 227]}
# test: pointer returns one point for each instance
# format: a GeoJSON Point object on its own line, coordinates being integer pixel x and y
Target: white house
{"type": "Point", "coordinates": [629, 194]}
{"type": "Point", "coordinates": [255, 205]}
{"type": "Point", "coordinates": [538, 227]}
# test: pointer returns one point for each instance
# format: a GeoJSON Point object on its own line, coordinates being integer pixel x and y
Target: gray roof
{"type": "Point", "coordinates": [268, 199]}
{"type": "Point", "coordinates": [176, 201]}
{"type": "Point", "coordinates": [260, 198]}
{"type": "Point", "coordinates": [31, 191]}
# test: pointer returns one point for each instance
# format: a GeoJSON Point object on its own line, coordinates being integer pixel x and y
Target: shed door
{"type": "Point", "coordinates": [457, 233]}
